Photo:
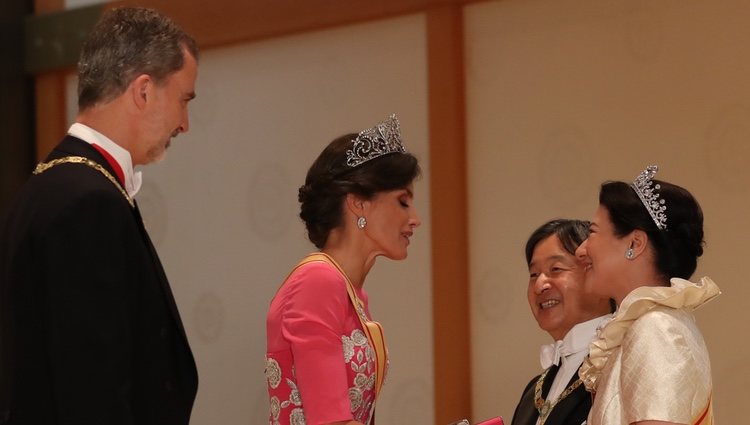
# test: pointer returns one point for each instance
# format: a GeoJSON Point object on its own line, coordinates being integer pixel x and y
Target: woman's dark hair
{"type": "Point", "coordinates": [571, 233]}
{"type": "Point", "coordinates": [677, 247]}
{"type": "Point", "coordinates": [329, 180]}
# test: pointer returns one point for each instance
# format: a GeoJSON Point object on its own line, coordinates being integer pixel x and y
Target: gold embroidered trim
{"type": "Point", "coordinates": [544, 407]}
{"type": "Point", "coordinates": [44, 166]}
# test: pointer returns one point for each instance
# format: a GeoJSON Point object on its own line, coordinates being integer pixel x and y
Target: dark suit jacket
{"type": "Point", "coordinates": [89, 329]}
{"type": "Point", "coordinates": [572, 410]}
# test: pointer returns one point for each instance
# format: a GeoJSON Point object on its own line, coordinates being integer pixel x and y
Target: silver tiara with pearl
{"type": "Point", "coordinates": [374, 142]}
{"type": "Point", "coordinates": [646, 190]}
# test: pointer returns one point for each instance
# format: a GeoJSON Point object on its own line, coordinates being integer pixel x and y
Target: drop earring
{"type": "Point", "coordinates": [361, 222]}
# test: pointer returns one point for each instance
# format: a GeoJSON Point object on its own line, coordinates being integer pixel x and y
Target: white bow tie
{"type": "Point", "coordinates": [550, 354]}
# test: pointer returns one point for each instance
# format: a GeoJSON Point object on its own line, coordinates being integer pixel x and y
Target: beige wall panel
{"type": "Point", "coordinates": [222, 209]}
{"type": "Point", "coordinates": [562, 95]}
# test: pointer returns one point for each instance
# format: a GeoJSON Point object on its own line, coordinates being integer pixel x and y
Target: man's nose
{"type": "Point", "coordinates": [542, 283]}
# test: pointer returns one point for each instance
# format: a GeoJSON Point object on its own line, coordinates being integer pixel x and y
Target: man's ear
{"type": "Point", "coordinates": [140, 90]}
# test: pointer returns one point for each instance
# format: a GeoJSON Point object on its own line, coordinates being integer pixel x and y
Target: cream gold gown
{"type": "Point", "coordinates": [650, 361]}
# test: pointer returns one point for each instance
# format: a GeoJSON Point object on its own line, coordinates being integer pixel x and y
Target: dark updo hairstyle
{"type": "Point", "coordinates": [571, 234]}
{"type": "Point", "coordinates": [677, 247]}
{"type": "Point", "coordinates": [329, 180]}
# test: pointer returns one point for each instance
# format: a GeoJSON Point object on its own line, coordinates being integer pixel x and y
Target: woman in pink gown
{"type": "Point", "coordinates": [325, 358]}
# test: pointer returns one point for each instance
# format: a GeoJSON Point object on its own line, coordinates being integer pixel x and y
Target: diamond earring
{"type": "Point", "coordinates": [361, 222]}
{"type": "Point", "coordinates": [629, 254]}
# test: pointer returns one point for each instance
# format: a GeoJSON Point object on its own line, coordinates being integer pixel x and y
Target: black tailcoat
{"type": "Point", "coordinates": [89, 329]}
{"type": "Point", "coordinates": [572, 410]}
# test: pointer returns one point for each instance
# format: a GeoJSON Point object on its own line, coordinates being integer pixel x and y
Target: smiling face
{"type": "Point", "coordinates": [167, 114]}
{"type": "Point", "coordinates": [603, 257]}
{"type": "Point", "coordinates": [391, 219]}
{"type": "Point", "coordinates": [556, 292]}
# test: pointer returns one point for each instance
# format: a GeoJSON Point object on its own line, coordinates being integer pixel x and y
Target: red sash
{"type": "Point", "coordinates": [112, 162]}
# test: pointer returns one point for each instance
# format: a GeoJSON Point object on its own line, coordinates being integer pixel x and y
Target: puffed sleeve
{"type": "Point", "coordinates": [313, 322]}
{"type": "Point", "coordinates": [666, 373]}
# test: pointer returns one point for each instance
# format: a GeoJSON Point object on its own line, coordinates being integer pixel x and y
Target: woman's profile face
{"type": "Point", "coordinates": [391, 220]}
{"type": "Point", "coordinates": [603, 256]}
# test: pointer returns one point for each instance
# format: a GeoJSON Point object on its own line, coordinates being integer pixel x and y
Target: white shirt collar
{"type": "Point", "coordinates": [577, 340]}
{"type": "Point", "coordinates": [581, 335]}
{"type": "Point", "coordinates": [573, 348]}
{"type": "Point", "coordinates": [133, 179]}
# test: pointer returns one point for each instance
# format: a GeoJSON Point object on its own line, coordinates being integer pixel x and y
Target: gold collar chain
{"type": "Point", "coordinates": [544, 407]}
{"type": "Point", "coordinates": [44, 166]}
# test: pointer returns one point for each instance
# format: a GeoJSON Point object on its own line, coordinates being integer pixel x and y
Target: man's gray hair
{"type": "Point", "coordinates": [125, 43]}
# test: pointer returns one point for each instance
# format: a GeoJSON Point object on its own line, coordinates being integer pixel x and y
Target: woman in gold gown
{"type": "Point", "coordinates": [649, 364]}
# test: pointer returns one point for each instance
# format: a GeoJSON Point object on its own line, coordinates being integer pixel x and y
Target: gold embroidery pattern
{"type": "Point", "coordinates": [273, 373]}
{"type": "Point", "coordinates": [44, 166]}
{"type": "Point", "coordinates": [544, 407]}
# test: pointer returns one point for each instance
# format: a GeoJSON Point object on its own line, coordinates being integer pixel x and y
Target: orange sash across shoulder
{"type": "Point", "coordinates": [707, 417]}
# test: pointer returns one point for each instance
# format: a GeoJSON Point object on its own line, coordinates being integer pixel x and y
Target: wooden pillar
{"type": "Point", "coordinates": [450, 271]}
{"type": "Point", "coordinates": [50, 111]}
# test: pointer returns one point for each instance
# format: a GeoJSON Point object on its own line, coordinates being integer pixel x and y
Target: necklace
{"type": "Point", "coordinates": [544, 407]}
{"type": "Point", "coordinates": [44, 166]}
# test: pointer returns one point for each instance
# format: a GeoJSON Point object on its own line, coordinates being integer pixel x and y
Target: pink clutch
{"type": "Point", "coordinates": [494, 421]}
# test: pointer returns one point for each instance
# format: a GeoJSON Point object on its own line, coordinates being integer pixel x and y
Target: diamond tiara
{"type": "Point", "coordinates": [377, 141]}
{"type": "Point", "coordinates": [649, 197]}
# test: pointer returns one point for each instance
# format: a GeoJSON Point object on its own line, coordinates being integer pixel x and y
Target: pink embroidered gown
{"type": "Point", "coordinates": [320, 368]}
